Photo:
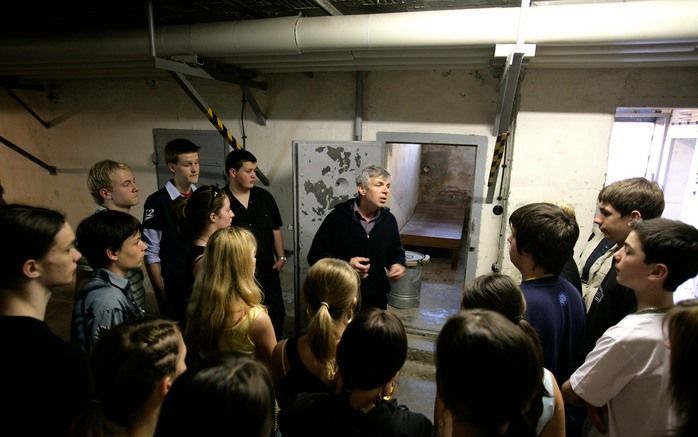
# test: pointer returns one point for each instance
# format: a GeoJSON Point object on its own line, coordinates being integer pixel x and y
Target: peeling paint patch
{"type": "Point", "coordinates": [322, 193]}
{"type": "Point", "coordinates": [342, 158]}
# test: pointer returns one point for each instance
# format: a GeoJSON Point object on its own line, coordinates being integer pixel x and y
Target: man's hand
{"type": "Point", "coordinates": [396, 272]}
{"type": "Point", "coordinates": [361, 265]}
{"type": "Point", "coordinates": [279, 264]}
{"type": "Point", "coordinates": [598, 416]}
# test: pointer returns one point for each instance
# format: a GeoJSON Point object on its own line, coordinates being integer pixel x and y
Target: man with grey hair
{"type": "Point", "coordinates": [364, 232]}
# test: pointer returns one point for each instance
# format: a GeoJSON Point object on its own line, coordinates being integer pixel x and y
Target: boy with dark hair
{"type": "Point", "coordinates": [167, 256]}
{"type": "Point", "coordinates": [620, 205]}
{"type": "Point", "coordinates": [624, 379]}
{"type": "Point", "coordinates": [542, 239]}
{"type": "Point", "coordinates": [256, 210]}
{"type": "Point", "coordinates": [43, 378]}
{"type": "Point", "coordinates": [634, 194]}
{"type": "Point", "coordinates": [111, 242]}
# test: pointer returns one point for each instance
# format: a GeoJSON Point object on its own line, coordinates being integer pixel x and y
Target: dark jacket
{"type": "Point", "coordinates": [323, 414]}
{"type": "Point", "coordinates": [342, 236]}
{"type": "Point", "coordinates": [43, 379]}
{"type": "Point", "coordinates": [104, 301]}
{"type": "Point", "coordinates": [612, 302]}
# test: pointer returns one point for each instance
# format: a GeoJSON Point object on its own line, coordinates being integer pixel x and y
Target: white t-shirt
{"type": "Point", "coordinates": [548, 401]}
{"type": "Point", "coordinates": [628, 369]}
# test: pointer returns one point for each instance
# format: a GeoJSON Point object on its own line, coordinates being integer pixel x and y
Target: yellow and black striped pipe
{"type": "Point", "coordinates": [218, 124]}
{"type": "Point", "coordinates": [497, 157]}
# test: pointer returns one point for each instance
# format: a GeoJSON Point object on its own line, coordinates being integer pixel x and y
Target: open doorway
{"type": "Point", "coordinates": [660, 144]}
{"type": "Point", "coordinates": [432, 199]}
{"type": "Point", "coordinates": [324, 174]}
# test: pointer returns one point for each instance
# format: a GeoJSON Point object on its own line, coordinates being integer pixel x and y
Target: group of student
{"type": "Point", "coordinates": [514, 361]}
{"type": "Point", "coordinates": [604, 340]}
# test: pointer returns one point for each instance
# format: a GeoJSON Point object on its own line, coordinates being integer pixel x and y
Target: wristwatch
{"type": "Point", "coordinates": [283, 258]}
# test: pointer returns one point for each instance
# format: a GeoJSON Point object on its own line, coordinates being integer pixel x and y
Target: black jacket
{"type": "Point", "coordinates": [323, 414]}
{"type": "Point", "coordinates": [612, 302]}
{"type": "Point", "coordinates": [342, 236]}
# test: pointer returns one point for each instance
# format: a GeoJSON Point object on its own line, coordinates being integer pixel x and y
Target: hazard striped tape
{"type": "Point", "coordinates": [218, 124]}
{"type": "Point", "coordinates": [497, 157]}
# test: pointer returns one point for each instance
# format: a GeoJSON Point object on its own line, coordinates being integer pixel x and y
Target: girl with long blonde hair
{"type": "Point", "coordinates": [306, 364]}
{"type": "Point", "coordinates": [225, 313]}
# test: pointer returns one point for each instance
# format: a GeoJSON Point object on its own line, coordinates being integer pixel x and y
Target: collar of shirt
{"type": "Point", "coordinates": [117, 281]}
{"type": "Point", "coordinates": [361, 218]}
{"type": "Point", "coordinates": [173, 191]}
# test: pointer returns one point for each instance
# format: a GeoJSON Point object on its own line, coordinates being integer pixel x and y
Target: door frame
{"type": "Point", "coordinates": [480, 142]}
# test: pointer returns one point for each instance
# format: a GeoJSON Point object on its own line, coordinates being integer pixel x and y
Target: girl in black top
{"type": "Point", "coordinates": [369, 357]}
{"type": "Point", "coordinates": [306, 364]}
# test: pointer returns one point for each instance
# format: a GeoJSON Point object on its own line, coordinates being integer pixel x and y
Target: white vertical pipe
{"type": "Point", "coordinates": [521, 33]}
{"type": "Point", "coordinates": [359, 109]}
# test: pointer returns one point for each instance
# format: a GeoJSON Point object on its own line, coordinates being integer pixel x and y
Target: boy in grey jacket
{"type": "Point", "coordinates": [111, 242]}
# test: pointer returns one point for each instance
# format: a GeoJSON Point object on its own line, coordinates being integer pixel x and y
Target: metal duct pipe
{"type": "Point", "coordinates": [446, 39]}
{"type": "Point", "coordinates": [632, 21]}
{"type": "Point", "coordinates": [674, 20]}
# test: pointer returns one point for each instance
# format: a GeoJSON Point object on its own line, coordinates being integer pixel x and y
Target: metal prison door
{"type": "Point", "coordinates": [323, 176]}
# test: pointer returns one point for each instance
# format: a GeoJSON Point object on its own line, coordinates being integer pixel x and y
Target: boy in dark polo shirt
{"type": "Point", "coordinates": [256, 210]}
{"type": "Point", "coordinates": [167, 255]}
{"type": "Point", "coordinates": [542, 239]}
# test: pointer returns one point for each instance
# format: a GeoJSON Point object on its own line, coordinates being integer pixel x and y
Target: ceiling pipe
{"type": "Point", "coordinates": [621, 24]}
{"type": "Point", "coordinates": [559, 24]}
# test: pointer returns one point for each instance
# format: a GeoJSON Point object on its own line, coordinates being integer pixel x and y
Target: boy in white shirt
{"type": "Point", "coordinates": [624, 379]}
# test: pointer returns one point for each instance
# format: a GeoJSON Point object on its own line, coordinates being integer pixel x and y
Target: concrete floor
{"type": "Point", "coordinates": [439, 299]}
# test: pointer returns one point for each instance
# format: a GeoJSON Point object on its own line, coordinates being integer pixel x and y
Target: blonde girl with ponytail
{"type": "Point", "coordinates": [306, 364]}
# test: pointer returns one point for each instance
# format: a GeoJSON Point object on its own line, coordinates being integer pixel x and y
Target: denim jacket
{"type": "Point", "coordinates": [104, 301]}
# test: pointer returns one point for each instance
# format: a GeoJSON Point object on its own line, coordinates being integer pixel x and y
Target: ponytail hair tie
{"type": "Point", "coordinates": [518, 319]}
{"type": "Point", "coordinates": [325, 304]}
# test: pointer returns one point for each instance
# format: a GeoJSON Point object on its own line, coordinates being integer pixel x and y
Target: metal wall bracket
{"type": "Point", "coordinates": [31, 112]}
{"type": "Point", "coordinates": [207, 73]}
{"type": "Point", "coordinates": [327, 6]}
{"type": "Point", "coordinates": [259, 115]}
{"type": "Point", "coordinates": [507, 93]}
{"type": "Point", "coordinates": [211, 115]}
{"type": "Point", "coordinates": [51, 168]}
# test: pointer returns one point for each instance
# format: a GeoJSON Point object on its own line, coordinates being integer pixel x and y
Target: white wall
{"type": "Point", "coordinates": [403, 163]}
{"type": "Point", "coordinates": [561, 142]}
{"type": "Point", "coordinates": [564, 126]}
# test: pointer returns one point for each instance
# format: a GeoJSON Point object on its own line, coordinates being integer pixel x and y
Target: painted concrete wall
{"type": "Point", "coordinates": [560, 149]}
{"type": "Point", "coordinates": [564, 126]}
{"type": "Point", "coordinates": [403, 163]}
{"type": "Point", "coordinates": [449, 180]}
